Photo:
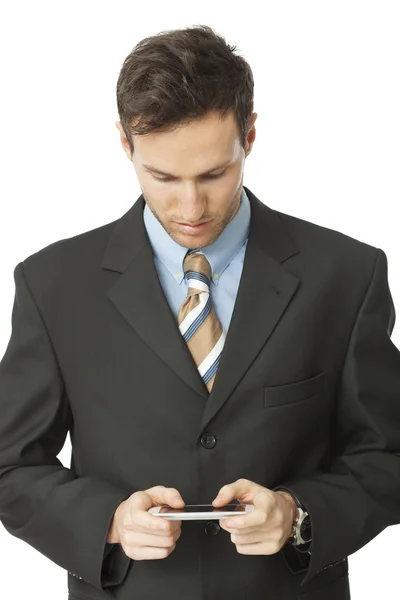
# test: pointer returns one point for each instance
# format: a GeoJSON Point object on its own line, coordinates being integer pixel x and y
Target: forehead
{"type": "Point", "coordinates": [210, 139]}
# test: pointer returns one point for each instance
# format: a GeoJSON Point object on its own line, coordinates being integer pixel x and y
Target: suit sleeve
{"type": "Point", "coordinates": [115, 565]}
{"type": "Point", "coordinates": [360, 494]}
{"type": "Point", "coordinates": [63, 516]}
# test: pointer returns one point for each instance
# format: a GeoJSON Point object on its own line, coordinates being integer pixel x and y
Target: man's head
{"type": "Point", "coordinates": [185, 102]}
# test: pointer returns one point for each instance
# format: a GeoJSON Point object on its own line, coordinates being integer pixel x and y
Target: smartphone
{"type": "Point", "coordinates": [199, 512]}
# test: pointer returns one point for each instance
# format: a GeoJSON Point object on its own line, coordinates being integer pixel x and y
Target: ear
{"type": "Point", "coordinates": [251, 136]}
{"type": "Point", "coordinates": [124, 141]}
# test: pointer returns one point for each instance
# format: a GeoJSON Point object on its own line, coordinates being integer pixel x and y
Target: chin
{"type": "Point", "coordinates": [193, 241]}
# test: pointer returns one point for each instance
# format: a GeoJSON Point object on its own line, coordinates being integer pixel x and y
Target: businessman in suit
{"type": "Point", "coordinates": [245, 360]}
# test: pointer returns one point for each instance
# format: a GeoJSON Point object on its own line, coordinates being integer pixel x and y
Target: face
{"type": "Point", "coordinates": [192, 175]}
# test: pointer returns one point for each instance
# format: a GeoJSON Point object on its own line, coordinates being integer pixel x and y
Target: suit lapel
{"type": "Point", "coordinates": [139, 297]}
{"type": "Point", "coordinates": [265, 290]}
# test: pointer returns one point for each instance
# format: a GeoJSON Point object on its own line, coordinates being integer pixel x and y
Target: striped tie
{"type": "Point", "coordinates": [197, 320]}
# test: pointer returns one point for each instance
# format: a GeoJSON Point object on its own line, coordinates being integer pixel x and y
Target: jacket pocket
{"type": "Point", "coordinates": [287, 393]}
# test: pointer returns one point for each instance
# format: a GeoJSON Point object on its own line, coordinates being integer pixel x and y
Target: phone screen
{"type": "Point", "coordinates": [192, 508]}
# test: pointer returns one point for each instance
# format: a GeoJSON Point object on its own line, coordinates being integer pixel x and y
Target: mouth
{"type": "Point", "coordinates": [194, 229]}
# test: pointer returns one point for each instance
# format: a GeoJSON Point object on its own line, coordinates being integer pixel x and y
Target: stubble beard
{"type": "Point", "coordinates": [208, 239]}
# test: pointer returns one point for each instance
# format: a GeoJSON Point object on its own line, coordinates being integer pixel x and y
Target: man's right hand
{"type": "Point", "coordinates": [144, 536]}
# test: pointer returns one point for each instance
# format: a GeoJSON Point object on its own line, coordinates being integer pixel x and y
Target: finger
{"type": "Point", "coordinates": [248, 538]}
{"type": "Point", "coordinates": [243, 490]}
{"type": "Point", "coordinates": [138, 518]}
{"type": "Point", "coordinates": [175, 525]}
{"type": "Point", "coordinates": [149, 552]}
{"type": "Point", "coordinates": [264, 503]}
{"type": "Point", "coordinates": [257, 548]}
{"type": "Point", "coordinates": [149, 539]}
{"type": "Point", "coordinates": [169, 526]}
{"type": "Point", "coordinates": [162, 495]}
{"type": "Point", "coordinates": [237, 530]}
{"type": "Point", "coordinates": [255, 519]}
{"type": "Point", "coordinates": [159, 526]}
{"type": "Point", "coordinates": [140, 502]}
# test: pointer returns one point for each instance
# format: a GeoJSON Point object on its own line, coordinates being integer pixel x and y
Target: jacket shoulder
{"type": "Point", "coordinates": [87, 247]}
{"type": "Point", "coordinates": [321, 240]}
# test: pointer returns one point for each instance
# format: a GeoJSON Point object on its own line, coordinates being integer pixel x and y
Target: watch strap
{"type": "Point", "coordinates": [301, 509]}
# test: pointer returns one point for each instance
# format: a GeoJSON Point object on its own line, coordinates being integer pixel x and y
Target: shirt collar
{"type": "Point", "coordinates": [219, 254]}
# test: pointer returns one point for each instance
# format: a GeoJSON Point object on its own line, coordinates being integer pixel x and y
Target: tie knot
{"type": "Point", "coordinates": [195, 262]}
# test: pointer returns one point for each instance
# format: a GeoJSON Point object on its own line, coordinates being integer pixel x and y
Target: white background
{"type": "Point", "coordinates": [327, 150]}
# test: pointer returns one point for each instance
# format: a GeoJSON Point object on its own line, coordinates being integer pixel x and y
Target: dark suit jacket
{"type": "Point", "coordinates": [307, 396]}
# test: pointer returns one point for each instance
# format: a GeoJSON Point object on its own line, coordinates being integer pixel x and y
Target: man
{"type": "Point", "coordinates": [203, 348]}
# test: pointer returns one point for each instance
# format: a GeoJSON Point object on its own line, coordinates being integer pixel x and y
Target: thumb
{"type": "Point", "coordinates": [173, 498]}
{"type": "Point", "coordinates": [159, 495]}
{"type": "Point", "coordinates": [225, 495]}
{"type": "Point", "coordinates": [241, 489]}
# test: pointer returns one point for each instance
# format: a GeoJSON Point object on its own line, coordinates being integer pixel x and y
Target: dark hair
{"type": "Point", "coordinates": [177, 76]}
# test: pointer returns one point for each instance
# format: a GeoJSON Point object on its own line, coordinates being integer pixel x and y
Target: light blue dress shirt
{"type": "Point", "coordinates": [225, 255]}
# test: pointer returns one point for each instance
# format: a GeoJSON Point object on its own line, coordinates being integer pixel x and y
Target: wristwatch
{"type": "Point", "coordinates": [301, 531]}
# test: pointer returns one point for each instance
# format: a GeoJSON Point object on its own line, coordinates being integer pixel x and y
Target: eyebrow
{"type": "Point", "coordinates": [154, 170]}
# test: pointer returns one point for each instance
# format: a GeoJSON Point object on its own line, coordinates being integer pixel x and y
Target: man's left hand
{"type": "Point", "coordinates": [264, 530]}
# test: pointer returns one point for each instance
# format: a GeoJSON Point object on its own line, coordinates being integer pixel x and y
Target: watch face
{"type": "Point", "coordinates": [305, 529]}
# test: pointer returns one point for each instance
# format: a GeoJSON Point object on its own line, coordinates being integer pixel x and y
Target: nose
{"type": "Point", "coordinates": [191, 205]}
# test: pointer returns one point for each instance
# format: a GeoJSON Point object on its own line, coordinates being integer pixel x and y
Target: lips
{"type": "Point", "coordinates": [198, 224]}
{"type": "Point", "coordinates": [194, 229]}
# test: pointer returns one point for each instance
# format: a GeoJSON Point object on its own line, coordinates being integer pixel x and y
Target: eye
{"type": "Point", "coordinates": [161, 178]}
{"type": "Point", "coordinates": [167, 179]}
{"type": "Point", "coordinates": [215, 176]}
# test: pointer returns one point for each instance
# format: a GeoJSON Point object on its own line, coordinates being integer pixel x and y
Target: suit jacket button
{"type": "Point", "coordinates": [212, 528]}
{"type": "Point", "coordinates": [208, 440]}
